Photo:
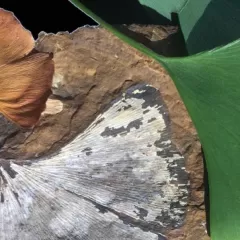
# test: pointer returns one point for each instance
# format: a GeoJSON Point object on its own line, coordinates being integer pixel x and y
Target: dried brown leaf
{"type": "Point", "coordinates": [25, 75]}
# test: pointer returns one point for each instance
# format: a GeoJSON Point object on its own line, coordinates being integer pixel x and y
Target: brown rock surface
{"type": "Point", "coordinates": [92, 68]}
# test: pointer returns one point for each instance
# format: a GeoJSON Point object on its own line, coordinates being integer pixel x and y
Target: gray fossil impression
{"type": "Point", "coordinates": [122, 178]}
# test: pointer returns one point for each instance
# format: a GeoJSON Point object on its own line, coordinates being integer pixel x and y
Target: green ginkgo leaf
{"type": "Point", "coordinates": [209, 84]}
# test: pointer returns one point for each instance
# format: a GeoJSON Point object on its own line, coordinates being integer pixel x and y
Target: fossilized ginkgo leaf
{"type": "Point", "coordinates": [25, 74]}
{"type": "Point", "coordinates": [120, 179]}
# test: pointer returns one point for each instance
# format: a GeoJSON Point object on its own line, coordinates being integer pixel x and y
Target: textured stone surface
{"type": "Point", "coordinates": [93, 68]}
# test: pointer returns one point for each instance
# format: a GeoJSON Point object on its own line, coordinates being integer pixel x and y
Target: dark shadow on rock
{"type": "Point", "coordinates": [219, 25]}
{"type": "Point", "coordinates": [164, 40]}
{"type": "Point", "coordinates": [206, 194]}
{"type": "Point", "coordinates": [7, 130]}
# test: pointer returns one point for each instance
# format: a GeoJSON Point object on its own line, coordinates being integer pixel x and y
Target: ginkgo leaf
{"type": "Point", "coordinates": [15, 40]}
{"type": "Point", "coordinates": [120, 179]}
{"type": "Point", "coordinates": [25, 86]}
{"type": "Point", "coordinates": [25, 75]}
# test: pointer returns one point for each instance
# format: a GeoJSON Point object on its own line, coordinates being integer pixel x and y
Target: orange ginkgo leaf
{"type": "Point", "coordinates": [25, 74]}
